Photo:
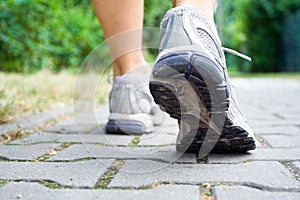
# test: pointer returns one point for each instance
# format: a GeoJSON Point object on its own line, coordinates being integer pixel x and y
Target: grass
{"type": "Point", "coordinates": [21, 95]}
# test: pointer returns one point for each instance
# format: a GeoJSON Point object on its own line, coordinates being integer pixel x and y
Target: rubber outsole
{"type": "Point", "coordinates": [208, 83]}
{"type": "Point", "coordinates": [125, 127]}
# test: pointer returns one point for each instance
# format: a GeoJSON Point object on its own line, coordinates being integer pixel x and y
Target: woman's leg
{"type": "Point", "coordinates": [122, 23]}
{"type": "Point", "coordinates": [206, 6]}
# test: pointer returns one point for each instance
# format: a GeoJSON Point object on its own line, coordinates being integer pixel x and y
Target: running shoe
{"type": "Point", "coordinates": [132, 109]}
{"type": "Point", "coordinates": [190, 82]}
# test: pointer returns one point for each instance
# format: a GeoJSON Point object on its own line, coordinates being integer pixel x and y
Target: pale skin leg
{"type": "Point", "coordinates": [122, 23]}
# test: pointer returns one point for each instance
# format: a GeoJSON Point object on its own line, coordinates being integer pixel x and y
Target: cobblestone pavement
{"type": "Point", "coordinates": [64, 161]}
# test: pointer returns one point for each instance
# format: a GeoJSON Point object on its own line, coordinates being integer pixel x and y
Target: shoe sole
{"type": "Point", "coordinates": [129, 124]}
{"type": "Point", "coordinates": [125, 127]}
{"type": "Point", "coordinates": [207, 80]}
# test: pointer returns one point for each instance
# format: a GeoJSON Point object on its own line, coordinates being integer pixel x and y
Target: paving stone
{"type": "Point", "coordinates": [78, 151]}
{"type": "Point", "coordinates": [81, 122]}
{"type": "Point", "coordinates": [70, 128]}
{"type": "Point", "coordinates": [294, 114]}
{"type": "Point", "coordinates": [274, 119]}
{"type": "Point", "coordinates": [293, 122]}
{"type": "Point", "coordinates": [75, 174]}
{"type": "Point", "coordinates": [263, 123]}
{"type": "Point", "coordinates": [95, 117]}
{"type": "Point", "coordinates": [297, 166]}
{"type": "Point", "coordinates": [7, 127]}
{"type": "Point", "coordinates": [44, 137]}
{"type": "Point", "coordinates": [157, 139]}
{"type": "Point", "coordinates": [283, 130]}
{"type": "Point", "coordinates": [257, 173]}
{"type": "Point", "coordinates": [263, 93]}
{"type": "Point", "coordinates": [25, 152]}
{"type": "Point", "coordinates": [23, 190]}
{"type": "Point", "coordinates": [166, 129]}
{"type": "Point", "coordinates": [262, 118]}
{"type": "Point", "coordinates": [282, 141]}
{"type": "Point", "coordinates": [253, 113]}
{"type": "Point", "coordinates": [35, 120]}
{"type": "Point", "coordinates": [257, 143]}
{"type": "Point", "coordinates": [259, 154]}
{"type": "Point", "coordinates": [99, 130]}
{"type": "Point", "coordinates": [246, 193]}
{"type": "Point", "coordinates": [102, 112]}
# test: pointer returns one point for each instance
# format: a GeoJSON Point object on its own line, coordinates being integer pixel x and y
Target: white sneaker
{"type": "Point", "coordinates": [132, 109]}
{"type": "Point", "coordinates": [190, 82]}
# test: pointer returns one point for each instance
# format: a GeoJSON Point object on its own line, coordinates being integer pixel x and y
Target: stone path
{"type": "Point", "coordinates": [68, 161]}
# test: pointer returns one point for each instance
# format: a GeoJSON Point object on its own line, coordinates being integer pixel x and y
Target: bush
{"type": "Point", "coordinates": [36, 34]}
{"type": "Point", "coordinates": [256, 28]}
{"type": "Point", "coordinates": [154, 11]}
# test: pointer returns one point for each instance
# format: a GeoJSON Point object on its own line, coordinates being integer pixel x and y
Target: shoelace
{"type": "Point", "coordinates": [236, 53]}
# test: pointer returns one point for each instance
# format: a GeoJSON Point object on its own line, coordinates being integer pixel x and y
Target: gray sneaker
{"type": "Point", "coordinates": [132, 109]}
{"type": "Point", "coordinates": [190, 82]}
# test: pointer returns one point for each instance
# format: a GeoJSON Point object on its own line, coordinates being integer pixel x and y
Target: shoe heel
{"type": "Point", "coordinates": [199, 72]}
{"type": "Point", "coordinates": [164, 96]}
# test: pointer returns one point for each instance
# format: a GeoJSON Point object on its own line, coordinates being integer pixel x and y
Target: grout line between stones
{"type": "Point", "coordinates": [291, 169]}
{"type": "Point", "coordinates": [278, 116]}
{"type": "Point", "coordinates": [135, 141]}
{"type": "Point", "coordinates": [20, 132]}
{"type": "Point", "coordinates": [107, 177]}
{"type": "Point", "coordinates": [52, 152]}
{"type": "Point", "coordinates": [262, 141]}
{"type": "Point", "coordinates": [206, 192]}
{"type": "Point", "coordinates": [2, 183]}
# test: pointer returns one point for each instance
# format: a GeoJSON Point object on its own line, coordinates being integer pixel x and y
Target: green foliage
{"type": "Point", "coordinates": [36, 34]}
{"type": "Point", "coordinates": [154, 11]}
{"type": "Point", "coordinates": [255, 27]}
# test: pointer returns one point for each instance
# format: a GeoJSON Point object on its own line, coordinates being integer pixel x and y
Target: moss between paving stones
{"type": "Point", "coordinates": [2, 183]}
{"type": "Point", "coordinates": [52, 185]}
{"type": "Point", "coordinates": [63, 146]}
{"type": "Point", "coordinates": [206, 191]}
{"type": "Point", "coordinates": [291, 169]}
{"type": "Point", "coordinates": [49, 155]}
{"type": "Point", "coordinates": [135, 141]}
{"type": "Point", "coordinates": [109, 175]}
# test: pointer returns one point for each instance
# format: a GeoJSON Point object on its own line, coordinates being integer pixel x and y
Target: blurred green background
{"type": "Point", "coordinates": [57, 35]}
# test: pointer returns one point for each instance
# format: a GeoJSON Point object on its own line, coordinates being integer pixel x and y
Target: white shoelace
{"type": "Point", "coordinates": [233, 52]}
